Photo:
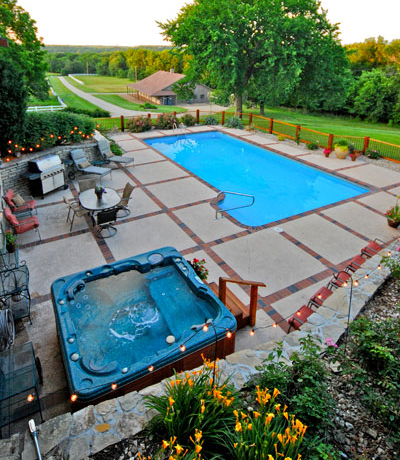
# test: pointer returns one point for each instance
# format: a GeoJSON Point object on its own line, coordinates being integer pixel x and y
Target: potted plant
{"type": "Point", "coordinates": [327, 152]}
{"type": "Point", "coordinates": [99, 190]}
{"type": "Point", "coordinates": [341, 149]}
{"type": "Point", "coordinates": [393, 215]}
{"type": "Point", "coordinates": [10, 241]}
{"type": "Point", "coordinates": [199, 268]}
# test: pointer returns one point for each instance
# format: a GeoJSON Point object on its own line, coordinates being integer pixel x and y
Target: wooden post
{"type": "Point", "coordinates": [250, 119]}
{"type": "Point", "coordinates": [253, 304]}
{"type": "Point", "coordinates": [174, 114]}
{"type": "Point", "coordinates": [122, 123]}
{"type": "Point", "coordinates": [222, 290]}
{"type": "Point", "coordinates": [271, 125]}
{"type": "Point", "coordinates": [366, 144]}
{"type": "Point", "coordinates": [198, 116]}
{"type": "Point", "coordinates": [149, 115]}
{"type": "Point", "coordinates": [330, 141]}
{"type": "Point", "coordinates": [223, 118]}
{"type": "Point", "coordinates": [298, 129]}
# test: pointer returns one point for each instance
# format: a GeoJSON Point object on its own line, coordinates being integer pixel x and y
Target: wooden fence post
{"type": "Point", "coordinates": [250, 119]}
{"type": "Point", "coordinates": [298, 128]}
{"type": "Point", "coordinates": [330, 141]}
{"type": "Point", "coordinates": [149, 115]}
{"type": "Point", "coordinates": [174, 114]}
{"type": "Point", "coordinates": [223, 118]}
{"type": "Point", "coordinates": [271, 125]}
{"type": "Point", "coordinates": [198, 116]}
{"type": "Point", "coordinates": [122, 123]}
{"type": "Point", "coordinates": [366, 144]}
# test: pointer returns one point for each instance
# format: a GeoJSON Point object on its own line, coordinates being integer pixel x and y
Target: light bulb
{"type": "Point", "coordinates": [229, 334]}
{"type": "Point", "coordinates": [182, 348]}
{"type": "Point", "coordinates": [30, 398]}
{"type": "Point", "coordinates": [113, 386]}
{"type": "Point", "coordinates": [151, 368]}
{"type": "Point", "coordinates": [252, 332]}
{"type": "Point", "coordinates": [74, 397]}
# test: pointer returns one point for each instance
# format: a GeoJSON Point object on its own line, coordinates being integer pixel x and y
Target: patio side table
{"type": "Point", "coordinates": [20, 375]}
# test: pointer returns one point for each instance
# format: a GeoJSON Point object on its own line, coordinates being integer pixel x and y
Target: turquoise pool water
{"type": "Point", "coordinates": [282, 187]}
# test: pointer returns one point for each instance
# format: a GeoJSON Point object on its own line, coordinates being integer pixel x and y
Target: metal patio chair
{"type": "Point", "coordinates": [104, 220]}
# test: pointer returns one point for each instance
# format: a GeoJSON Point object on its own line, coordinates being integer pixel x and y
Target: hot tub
{"type": "Point", "coordinates": [128, 324]}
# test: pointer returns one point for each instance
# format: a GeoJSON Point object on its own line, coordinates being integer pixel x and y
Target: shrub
{"type": "Point", "coordinates": [188, 120]}
{"type": "Point", "coordinates": [281, 138]}
{"type": "Point", "coordinates": [95, 113]}
{"type": "Point", "coordinates": [139, 124]}
{"type": "Point", "coordinates": [166, 121]}
{"type": "Point", "coordinates": [313, 145]}
{"type": "Point", "coordinates": [342, 143]}
{"type": "Point", "coordinates": [194, 402]}
{"type": "Point", "coordinates": [210, 120]}
{"type": "Point", "coordinates": [234, 122]}
{"type": "Point", "coordinates": [199, 268]}
{"type": "Point", "coordinates": [54, 128]}
{"type": "Point", "coordinates": [147, 105]}
{"type": "Point", "coordinates": [374, 154]}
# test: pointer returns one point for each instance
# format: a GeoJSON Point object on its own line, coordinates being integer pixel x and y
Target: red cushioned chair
{"type": "Point", "coordinates": [372, 249]}
{"type": "Point", "coordinates": [300, 317]}
{"type": "Point", "coordinates": [319, 297]}
{"type": "Point", "coordinates": [355, 263]}
{"type": "Point", "coordinates": [339, 279]}
{"type": "Point", "coordinates": [28, 206]}
{"type": "Point", "coordinates": [21, 226]}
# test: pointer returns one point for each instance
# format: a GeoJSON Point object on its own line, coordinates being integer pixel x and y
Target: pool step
{"type": "Point", "coordinates": [238, 309]}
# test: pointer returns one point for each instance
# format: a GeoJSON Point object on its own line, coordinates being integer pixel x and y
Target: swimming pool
{"type": "Point", "coordinates": [124, 323]}
{"type": "Point", "coordinates": [282, 187]}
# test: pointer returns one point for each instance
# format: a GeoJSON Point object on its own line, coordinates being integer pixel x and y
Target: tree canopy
{"type": "Point", "coordinates": [261, 45]}
{"type": "Point", "coordinates": [24, 45]}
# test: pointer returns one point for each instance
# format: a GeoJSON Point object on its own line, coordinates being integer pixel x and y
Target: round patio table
{"type": "Point", "coordinates": [89, 201]}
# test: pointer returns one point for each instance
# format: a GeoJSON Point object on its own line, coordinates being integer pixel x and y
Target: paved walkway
{"type": "Point", "coordinates": [114, 110]}
{"type": "Point", "coordinates": [172, 207]}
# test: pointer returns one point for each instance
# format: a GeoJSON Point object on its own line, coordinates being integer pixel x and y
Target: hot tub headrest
{"type": "Point", "coordinates": [77, 286]}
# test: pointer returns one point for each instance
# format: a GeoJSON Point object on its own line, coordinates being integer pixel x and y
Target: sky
{"type": "Point", "coordinates": [133, 22]}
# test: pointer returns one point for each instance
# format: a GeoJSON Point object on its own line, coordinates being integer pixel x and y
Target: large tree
{"type": "Point", "coordinates": [236, 41]}
{"type": "Point", "coordinates": [24, 46]}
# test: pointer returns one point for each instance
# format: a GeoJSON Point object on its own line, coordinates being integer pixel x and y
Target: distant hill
{"type": "Point", "coordinates": [82, 49]}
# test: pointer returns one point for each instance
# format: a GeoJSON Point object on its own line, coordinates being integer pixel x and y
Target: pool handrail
{"type": "Point", "coordinates": [236, 207]}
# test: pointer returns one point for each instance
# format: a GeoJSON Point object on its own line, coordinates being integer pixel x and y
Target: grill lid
{"type": "Point", "coordinates": [44, 163]}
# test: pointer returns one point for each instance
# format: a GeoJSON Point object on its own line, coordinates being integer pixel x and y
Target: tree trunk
{"type": "Point", "coordinates": [239, 105]}
{"type": "Point", "coordinates": [262, 112]}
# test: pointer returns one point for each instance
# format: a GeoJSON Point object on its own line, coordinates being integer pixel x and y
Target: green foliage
{"type": "Point", "coordinates": [376, 95]}
{"type": "Point", "coordinates": [374, 366]}
{"type": "Point", "coordinates": [184, 89]}
{"type": "Point", "coordinates": [281, 138]}
{"type": "Point", "coordinates": [313, 145]}
{"type": "Point", "coordinates": [234, 122]}
{"type": "Point", "coordinates": [236, 42]}
{"type": "Point", "coordinates": [95, 113]}
{"type": "Point", "coordinates": [147, 105]}
{"type": "Point", "coordinates": [193, 401]}
{"type": "Point", "coordinates": [10, 237]}
{"type": "Point", "coordinates": [13, 102]}
{"type": "Point", "coordinates": [303, 384]}
{"type": "Point", "coordinates": [115, 148]}
{"type": "Point", "coordinates": [46, 129]}
{"type": "Point", "coordinates": [342, 143]}
{"type": "Point", "coordinates": [210, 120]}
{"type": "Point", "coordinates": [139, 124]}
{"type": "Point", "coordinates": [188, 120]}
{"type": "Point", "coordinates": [24, 47]}
{"type": "Point", "coordinates": [166, 121]}
{"type": "Point", "coordinates": [393, 262]}
{"type": "Point", "coordinates": [373, 153]}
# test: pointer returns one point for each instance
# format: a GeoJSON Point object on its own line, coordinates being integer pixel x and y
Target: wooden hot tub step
{"type": "Point", "coordinates": [238, 309]}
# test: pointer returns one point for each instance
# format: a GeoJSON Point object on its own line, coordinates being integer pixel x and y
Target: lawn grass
{"type": "Point", "coordinates": [34, 101]}
{"type": "Point", "coordinates": [100, 84]}
{"type": "Point", "coordinates": [125, 104]}
{"type": "Point", "coordinates": [71, 99]}
{"type": "Point", "coordinates": [340, 126]}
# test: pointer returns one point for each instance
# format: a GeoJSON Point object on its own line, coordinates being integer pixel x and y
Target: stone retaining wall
{"type": "Point", "coordinates": [93, 428]}
{"type": "Point", "coordinates": [11, 172]}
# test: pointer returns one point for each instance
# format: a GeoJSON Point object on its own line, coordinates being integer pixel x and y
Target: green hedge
{"type": "Point", "coordinates": [46, 129]}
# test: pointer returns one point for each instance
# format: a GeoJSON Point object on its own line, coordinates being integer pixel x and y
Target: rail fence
{"type": "Point", "coordinates": [298, 133]}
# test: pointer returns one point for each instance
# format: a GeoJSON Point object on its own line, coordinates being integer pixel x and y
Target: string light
{"type": "Point", "coordinates": [58, 137]}
{"type": "Point", "coordinates": [205, 328]}
{"type": "Point", "coordinates": [366, 276]}
{"type": "Point", "coordinates": [379, 267]}
{"type": "Point", "coordinates": [113, 386]}
{"type": "Point", "coordinates": [356, 283]}
{"type": "Point", "coordinates": [345, 284]}
{"type": "Point", "coordinates": [10, 151]}
{"type": "Point", "coordinates": [229, 334]}
{"type": "Point", "coordinates": [75, 128]}
{"type": "Point", "coordinates": [151, 368]}
{"type": "Point", "coordinates": [72, 132]}
{"type": "Point", "coordinates": [80, 132]}
{"type": "Point", "coordinates": [10, 142]}
{"type": "Point", "coordinates": [275, 325]}
{"type": "Point", "coordinates": [182, 348]}
{"type": "Point", "coordinates": [52, 135]}
{"type": "Point", "coordinates": [74, 397]}
{"type": "Point", "coordinates": [389, 253]}
{"type": "Point", "coordinates": [30, 398]}
{"type": "Point", "coordinates": [252, 332]}
{"type": "Point", "coordinates": [23, 149]}
{"type": "Point", "coordinates": [30, 149]}
{"type": "Point", "coordinates": [37, 146]}
{"type": "Point", "coordinates": [16, 146]}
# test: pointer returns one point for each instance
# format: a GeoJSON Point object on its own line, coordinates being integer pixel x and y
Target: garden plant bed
{"type": "Point", "coordinates": [357, 431]}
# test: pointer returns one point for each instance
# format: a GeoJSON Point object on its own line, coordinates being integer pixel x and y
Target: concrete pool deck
{"type": "Point", "coordinates": [172, 207]}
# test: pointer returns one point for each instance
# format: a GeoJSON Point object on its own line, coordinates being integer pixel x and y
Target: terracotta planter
{"type": "Point", "coordinates": [326, 155]}
{"type": "Point", "coordinates": [393, 223]}
{"type": "Point", "coordinates": [341, 154]}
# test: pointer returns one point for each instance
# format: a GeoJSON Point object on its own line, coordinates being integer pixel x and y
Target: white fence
{"type": "Point", "coordinates": [45, 108]}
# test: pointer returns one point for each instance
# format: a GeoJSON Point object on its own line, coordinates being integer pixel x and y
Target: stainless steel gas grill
{"type": "Point", "coordinates": [45, 174]}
